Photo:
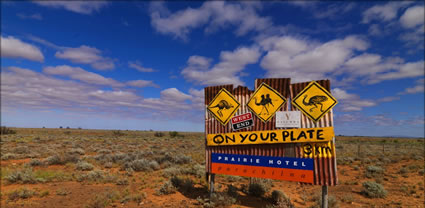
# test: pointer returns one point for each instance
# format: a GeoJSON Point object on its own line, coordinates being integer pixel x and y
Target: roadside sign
{"type": "Point", "coordinates": [265, 102]}
{"type": "Point", "coordinates": [281, 168]}
{"type": "Point", "coordinates": [242, 121]}
{"type": "Point", "coordinates": [223, 106]}
{"type": "Point", "coordinates": [288, 119]}
{"type": "Point", "coordinates": [314, 101]}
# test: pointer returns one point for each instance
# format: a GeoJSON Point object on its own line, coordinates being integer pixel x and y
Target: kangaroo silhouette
{"type": "Point", "coordinates": [222, 105]}
{"type": "Point", "coordinates": [315, 100]}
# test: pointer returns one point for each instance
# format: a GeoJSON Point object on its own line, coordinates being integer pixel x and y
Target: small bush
{"type": "Point", "coordinates": [220, 200]}
{"type": "Point", "coordinates": [172, 171]}
{"type": "Point", "coordinates": [374, 190]}
{"type": "Point", "coordinates": [117, 133]}
{"type": "Point", "coordinates": [232, 191]}
{"type": "Point", "coordinates": [21, 150]}
{"type": "Point", "coordinates": [142, 165]}
{"type": "Point", "coordinates": [279, 198]}
{"type": "Point", "coordinates": [35, 162]}
{"type": "Point", "coordinates": [77, 151]}
{"type": "Point", "coordinates": [4, 130]}
{"type": "Point", "coordinates": [159, 134]}
{"type": "Point", "coordinates": [25, 176]}
{"type": "Point", "coordinates": [167, 188]}
{"type": "Point", "coordinates": [332, 201]}
{"type": "Point", "coordinates": [8, 156]}
{"type": "Point", "coordinates": [122, 181]}
{"type": "Point", "coordinates": [173, 134]}
{"type": "Point", "coordinates": [84, 166]}
{"type": "Point", "coordinates": [258, 189]}
{"type": "Point", "coordinates": [373, 171]}
{"type": "Point", "coordinates": [23, 193]}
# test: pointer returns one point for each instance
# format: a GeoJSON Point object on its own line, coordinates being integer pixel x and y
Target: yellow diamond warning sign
{"type": "Point", "coordinates": [265, 102]}
{"type": "Point", "coordinates": [314, 101]}
{"type": "Point", "coordinates": [223, 106]}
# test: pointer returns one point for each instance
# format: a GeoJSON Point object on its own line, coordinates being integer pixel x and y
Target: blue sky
{"type": "Point", "coordinates": [143, 65]}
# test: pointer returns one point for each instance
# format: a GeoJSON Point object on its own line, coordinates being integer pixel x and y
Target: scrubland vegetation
{"type": "Point", "coordinates": [100, 168]}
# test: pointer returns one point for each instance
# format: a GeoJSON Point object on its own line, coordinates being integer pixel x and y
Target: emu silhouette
{"type": "Point", "coordinates": [315, 100]}
{"type": "Point", "coordinates": [264, 102]}
{"type": "Point", "coordinates": [222, 105]}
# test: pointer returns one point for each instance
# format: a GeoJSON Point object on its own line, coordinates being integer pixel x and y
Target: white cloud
{"type": "Point", "coordinates": [80, 74]}
{"type": "Point", "coordinates": [407, 70]}
{"type": "Point", "coordinates": [26, 89]}
{"type": "Point", "coordinates": [305, 60]}
{"type": "Point", "coordinates": [36, 16]}
{"type": "Point", "coordinates": [413, 16]}
{"type": "Point", "coordinates": [86, 55]}
{"type": "Point", "coordinates": [138, 66]}
{"type": "Point", "coordinates": [214, 14]}
{"type": "Point", "coordinates": [227, 71]}
{"type": "Point", "coordinates": [82, 7]}
{"type": "Point", "coordinates": [351, 102]}
{"type": "Point", "coordinates": [12, 47]}
{"type": "Point", "coordinates": [416, 89]}
{"type": "Point", "coordinates": [383, 12]}
{"type": "Point", "coordinates": [142, 83]}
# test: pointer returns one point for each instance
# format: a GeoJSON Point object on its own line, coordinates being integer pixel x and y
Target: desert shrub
{"type": "Point", "coordinates": [108, 165]}
{"type": "Point", "coordinates": [122, 181]}
{"type": "Point", "coordinates": [403, 171]}
{"type": "Point", "coordinates": [172, 171]}
{"type": "Point", "coordinates": [374, 190]}
{"type": "Point", "coordinates": [232, 191]}
{"type": "Point", "coordinates": [421, 172]}
{"type": "Point", "coordinates": [347, 198]}
{"type": "Point", "coordinates": [8, 156]}
{"type": "Point", "coordinates": [259, 188]}
{"type": "Point", "coordinates": [332, 201]}
{"type": "Point", "coordinates": [182, 159]}
{"type": "Point", "coordinates": [21, 150]}
{"type": "Point", "coordinates": [97, 176]}
{"type": "Point", "coordinates": [4, 130]}
{"type": "Point", "coordinates": [77, 151]}
{"type": "Point", "coordinates": [217, 199]}
{"type": "Point", "coordinates": [104, 151]}
{"type": "Point", "coordinates": [62, 159]}
{"type": "Point", "coordinates": [35, 162]}
{"type": "Point", "coordinates": [373, 171]}
{"type": "Point", "coordinates": [117, 133]}
{"type": "Point", "coordinates": [142, 165]}
{"type": "Point", "coordinates": [173, 133]}
{"type": "Point", "coordinates": [167, 188]}
{"type": "Point", "coordinates": [24, 176]}
{"type": "Point", "coordinates": [82, 165]}
{"type": "Point", "coordinates": [159, 134]}
{"type": "Point", "coordinates": [22, 193]}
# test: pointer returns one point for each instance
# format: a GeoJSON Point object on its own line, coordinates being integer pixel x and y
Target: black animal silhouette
{"type": "Point", "coordinates": [265, 101]}
{"type": "Point", "coordinates": [222, 105]}
{"type": "Point", "coordinates": [315, 100]}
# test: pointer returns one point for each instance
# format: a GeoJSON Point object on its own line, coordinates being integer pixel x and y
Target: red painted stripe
{"type": "Point", "coordinates": [305, 176]}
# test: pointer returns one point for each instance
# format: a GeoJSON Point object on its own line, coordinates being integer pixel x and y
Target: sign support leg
{"type": "Point", "coordinates": [325, 196]}
{"type": "Point", "coordinates": [212, 176]}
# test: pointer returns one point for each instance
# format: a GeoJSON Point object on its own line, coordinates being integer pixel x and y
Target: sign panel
{"type": "Point", "coordinates": [323, 134]}
{"type": "Point", "coordinates": [288, 119]}
{"type": "Point", "coordinates": [242, 121]}
{"type": "Point", "coordinates": [314, 101]}
{"type": "Point", "coordinates": [280, 168]}
{"type": "Point", "coordinates": [265, 102]}
{"type": "Point", "coordinates": [223, 106]}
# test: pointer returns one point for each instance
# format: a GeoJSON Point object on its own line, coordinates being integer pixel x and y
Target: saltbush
{"type": "Point", "coordinates": [167, 188]}
{"type": "Point", "coordinates": [374, 190]}
{"type": "Point", "coordinates": [258, 189]}
{"type": "Point", "coordinates": [159, 134]}
{"type": "Point", "coordinates": [374, 171]}
{"type": "Point", "coordinates": [4, 130]}
{"type": "Point", "coordinates": [173, 134]}
{"type": "Point", "coordinates": [84, 166]}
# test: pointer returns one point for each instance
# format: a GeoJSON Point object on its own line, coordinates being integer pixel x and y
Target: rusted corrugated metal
{"type": "Point", "coordinates": [327, 175]}
{"type": "Point", "coordinates": [325, 172]}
